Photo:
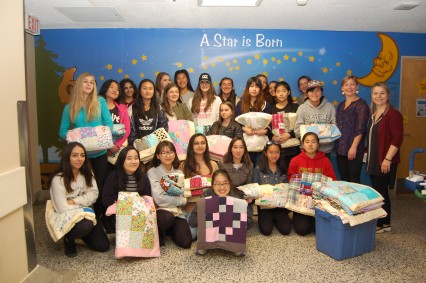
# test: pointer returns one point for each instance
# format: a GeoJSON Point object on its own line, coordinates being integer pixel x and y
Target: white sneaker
{"type": "Point", "coordinates": [200, 252]}
{"type": "Point", "coordinates": [384, 228]}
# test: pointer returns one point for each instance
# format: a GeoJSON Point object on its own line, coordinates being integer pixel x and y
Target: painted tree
{"type": "Point", "coordinates": [49, 108]}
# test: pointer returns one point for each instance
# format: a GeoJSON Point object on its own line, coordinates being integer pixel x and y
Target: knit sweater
{"type": "Point", "coordinates": [303, 163]}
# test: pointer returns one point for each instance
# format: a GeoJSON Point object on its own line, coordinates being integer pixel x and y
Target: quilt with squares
{"type": "Point", "coordinates": [94, 139]}
{"type": "Point", "coordinates": [222, 223]}
{"type": "Point", "coordinates": [136, 226]}
{"type": "Point", "coordinates": [172, 184]}
{"type": "Point", "coordinates": [180, 132]}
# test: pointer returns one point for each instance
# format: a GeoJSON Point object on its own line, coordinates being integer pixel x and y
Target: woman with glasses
{"type": "Point", "coordinates": [270, 170]}
{"type": "Point", "coordinates": [170, 216]}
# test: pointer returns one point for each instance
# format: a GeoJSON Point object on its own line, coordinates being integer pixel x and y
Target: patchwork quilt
{"type": "Point", "coordinates": [136, 226]}
{"type": "Point", "coordinates": [59, 224]}
{"type": "Point", "coordinates": [180, 132]}
{"type": "Point", "coordinates": [266, 196]}
{"type": "Point", "coordinates": [94, 139]}
{"type": "Point", "coordinates": [326, 132]}
{"type": "Point", "coordinates": [218, 146]}
{"type": "Point", "coordinates": [222, 223]}
{"type": "Point", "coordinates": [172, 184]}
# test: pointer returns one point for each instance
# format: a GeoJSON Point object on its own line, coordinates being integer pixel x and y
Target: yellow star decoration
{"type": "Point", "coordinates": [237, 68]}
{"type": "Point", "coordinates": [120, 70]}
{"type": "Point", "coordinates": [205, 58]}
{"type": "Point", "coordinates": [286, 57]}
{"type": "Point", "coordinates": [213, 64]}
{"type": "Point", "coordinates": [141, 75]}
{"type": "Point", "coordinates": [311, 58]}
{"type": "Point", "coordinates": [228, 64]}
{"type": "Point", "coordinates": [144, 57]}
{"type": "Point", "coordinates": [349, 72]}
{"type": "Point", "coordinates": [265, 74]}
{"type": "Point", "coordinates": [335, 82]}
{"type": "Point", "coordinates": [294, 59]}
{"type": "Point", "coordinates": [191, 70]}
{"type": "Point", "coordinates": [249, 61]}
{"type": "Point", "coordinates": [126, 76]}
{"type": "Point", "coordinates": [102, 78]}
{"type": "Point", "coordinates": [109, 67]}
{"type": "Point", "coordinates": [235, 61]}
{"type": "Point", "coordinates": [179, 64]}
{"type": "Point", "coordinates": [256, 56]}
{"type": "Point", "coordinates": [325, 70]}
{"type": "Point", "coordinates": [281, 79]}
{"type": "Point", "coordinates": [134, 61]}
{"type": "Point", "coordinates": [230, 69]}
{"type": "Point", "coordinates": [215, 83]}
{"type": "Point", "coordinates": [219, 59]}
{"type": "Point", "coordinates": [156, 73]}
{"type": "Point", "coordinates": [273, 59]}
{"type": "Point", "coordinates": [205, 67]}
{"type": "Point", "coordinates": [300, 53]}
{"type": "Point", "coordinates": [335, 103]}
{"type": "Point", "coordinates": [265, 62]}
{"type": "Point", "coordinates": [422, 86]}
{"type": "Point", "coordinates": [337, 64]}
{"type": "Point", "coordinates": [279, 61]}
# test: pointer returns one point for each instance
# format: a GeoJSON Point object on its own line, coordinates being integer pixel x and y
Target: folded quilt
{"type": "Point", "coordinates": [218, 146]}
{"type": "Point", "coordinates": [273, 196]}
{"type": "Point", "coordinates": [94, 139]}
{"type": "Point", "coordinates": [59, 224]}
{"type": "Point", "coordinates": [326, 132]}
{"type": "Point", "coordinates": [354, 197]}
{"type": "Point", "coordinates": [255, 120]}
{"type": "Point", "coordinates": [198, 182]}
{"type": "Point", "coordinates": [147, 144]}
{"type": "Point", "coordinates": [222, 223]}
{"type": "Point", "coordinates": [172, 184]}
{"type": "Point", "coordinates": [193, 193]}
{"type": "Point", "coordinates": [136, 226]}
{"type": "Point", "coordinates": [118, 131]}
{"type": "Point", "coordinates": [180, 132]}
{"type": "Point", "coordinates": [252, 190]}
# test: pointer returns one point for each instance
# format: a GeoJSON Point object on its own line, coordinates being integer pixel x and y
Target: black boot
{"type": "Point", "coordinates": [69, 245]}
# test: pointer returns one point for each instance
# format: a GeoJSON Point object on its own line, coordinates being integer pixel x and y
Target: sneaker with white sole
{"type": "Point", "coordinates": [200, 252]}
{"type": "Point", "coordinates": [384, 228]}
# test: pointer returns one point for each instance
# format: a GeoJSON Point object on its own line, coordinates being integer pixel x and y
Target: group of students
{"type": "Point", "coordinates": [84, 179]}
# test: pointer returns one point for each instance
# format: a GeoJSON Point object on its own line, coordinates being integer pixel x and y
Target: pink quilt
{"type": "Point", "coordinates": [180, 132]}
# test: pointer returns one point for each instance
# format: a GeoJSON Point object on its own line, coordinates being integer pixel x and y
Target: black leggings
{"type": "Point", "coordinates": [350, 170]}
{"type": "Point", "coordinates": [303, 224]}
{"type": "Point", "coordinates": [267, 218]}
{"type": "Point", "coordinates": [179, 228]}
{"type": "Point", "coordinates": [94, 236]}
{"type": "Point", "coordinates": [100, 169]}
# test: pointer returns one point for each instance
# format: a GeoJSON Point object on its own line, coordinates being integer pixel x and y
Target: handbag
{"type": "Point", "coordinates": [94, 139]}
{"type": "Point", "coordinates": [147, 144]}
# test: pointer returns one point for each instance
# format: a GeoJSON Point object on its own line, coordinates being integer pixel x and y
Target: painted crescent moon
{"type": "Point", "coordinates": [384, 64]}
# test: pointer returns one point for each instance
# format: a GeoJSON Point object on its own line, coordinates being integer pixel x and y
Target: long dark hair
{"type": "Point", "coordinates": [246, 99]}
{"type": "Point", "coordinates": [218, 126]}
{"type": "Point", "coordinates": [185, 72]}
{"type": "Point", "coordinates": [105, 86]}
{"type": "Point", "coordinates": [190, 166]}
{"type": "Point", "coordinates": [65, 170]}
{"type": "Point", "coordinates": [140, 109]}
{"type": "Point", "coordinates": [229, 158]}
{"type": "Point", "coordinates": [156, 161]}
{"type": "Point", "coordinates": [263, 162]}
{"type": "Point", "coordinates": [287, 86]}
{"type": "Point", "coordinates": [122, 96]}
{"type": "Point", "coordinates": [122, 175]}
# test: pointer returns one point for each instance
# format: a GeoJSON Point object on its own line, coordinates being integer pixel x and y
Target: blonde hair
{"type": "Point", "coordinates": [387, 89]}
{"type": "Point", "coordinates": [77, 101]}
{"type": "Point", "coordinates": [347, 78]}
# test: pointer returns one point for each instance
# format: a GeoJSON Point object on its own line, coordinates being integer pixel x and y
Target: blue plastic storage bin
{"type": "Point", "coordinates": [341, 241]}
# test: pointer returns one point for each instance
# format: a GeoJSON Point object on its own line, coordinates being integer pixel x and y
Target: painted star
{"type": "Point", "coordinates": [102, 78]}
{"type": "Point", "coordinates": [215, 83]}
{"type": "Point", "coordinates": [349, 72]}
{"type": "Point", "coordinates": [281, 79]}
{"type": "Point", "coordinates": [141, 75]}
{"type": "Point", "coordinates": [219, 59]}
{"type": "Point", "coordinates": [265, 61]}
{"type": "Point", "coordinates": [273, 59]}
{"type": "Point", "coordinates": [235, 61]}
{"type": "Point", "coordinates": [191, 70]}
{"type": "Point", "coordinates": [249, 61]}
{"type": "Point", "coordinates": [230, 69]}
{"type": "Point", "coordinates": [256, 56]}
{"type": "Point", "coordinates": [311, 58]}
{"type": "Point", "coordinates": [144, 57]}
{"type": "Point", "coordinates": [300, 53]}
{"type": "Point", "coordinates": [279, 62]}
{"type": "Point", "coordinates": [109, 67]}
{"type": "Point", "coordinates": [422, 86]}
{"type": "Point", "coordinates": [337, 64]}
{"type": "Point", "coordinates": [265, 74]}
{"type": "Point", "coordinates": [286, 57]}
{"type": "Point", "coordinates": [179, 64]}
{"type": "Point", "coordinates": [120, 70]}
{"type": "Point", "coordinates": [335, 82]}
{"type": "Point", "coordinates": [228, 64]}
{"type": "Point", "coordinates": [294, 59]}
{"type": "Point", "coordinates": [126, 76]}
{"type": "Point", "coordinates": [156, 73]}
{"type": "Point", "coordinates": [325, 70]}
{"type": "Point", "coordinates": [335, 103]}
{"type": "Point", "coordinates": [213, 64]}
{"type": "Point", "coordinates": [205, 58]}
{"type": "Point", "coordinates": [134, 62]}
{"type": "Point", "coordinates": [237, 68]}
{"type": "Point", "coordinates": [205, 67]}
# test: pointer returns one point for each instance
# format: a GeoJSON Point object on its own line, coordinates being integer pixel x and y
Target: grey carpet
{"type": "Point", "coordinates": [399, 256]}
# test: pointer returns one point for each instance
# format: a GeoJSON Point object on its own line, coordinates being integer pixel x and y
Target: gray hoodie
{"type": "Point", "coordinates": [307, 114]}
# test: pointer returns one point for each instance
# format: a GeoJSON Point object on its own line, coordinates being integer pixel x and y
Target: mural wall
{"type": "Point", "coordinates": [61, 55]}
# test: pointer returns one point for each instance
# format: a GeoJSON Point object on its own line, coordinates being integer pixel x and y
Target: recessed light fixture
{"type": "Point", "coordinates": [229, 3]}
{"type": "Point", "coordinates": [406, 5]}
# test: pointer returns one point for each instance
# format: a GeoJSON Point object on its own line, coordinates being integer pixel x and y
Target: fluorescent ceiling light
{"type": "Point", "coordinates": [229, 3]}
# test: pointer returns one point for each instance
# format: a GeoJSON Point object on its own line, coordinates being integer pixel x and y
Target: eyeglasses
{"type": "Point", "coordinates": [219, 185]}
{"type": "Point", "coordinates": [269, 143]}
{"type": "Point", "coordinates": [167, 153]}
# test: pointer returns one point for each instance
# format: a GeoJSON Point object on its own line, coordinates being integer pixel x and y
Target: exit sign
{"type": "Point", "coordinates": [32, 24]}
